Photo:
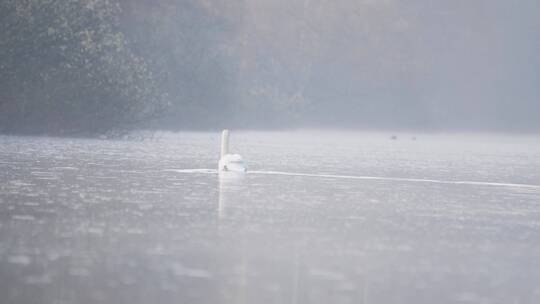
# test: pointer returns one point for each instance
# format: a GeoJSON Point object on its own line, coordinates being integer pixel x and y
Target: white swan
{"type": "Point", "coordinates": [229, 162]}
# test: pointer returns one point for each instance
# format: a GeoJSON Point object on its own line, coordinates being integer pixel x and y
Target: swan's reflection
{"type": "Point", "coordinates": [233, 202]}
{"type": "Point", "coordinates": [231, 186]}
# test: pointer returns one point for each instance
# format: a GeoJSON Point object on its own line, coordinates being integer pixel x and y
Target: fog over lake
{"type": "Point", "coordinates": [88, 67]}
{"type": "Point", "coordinates": [269, 151]}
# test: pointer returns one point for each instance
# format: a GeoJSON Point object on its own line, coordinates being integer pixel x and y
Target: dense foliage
{"type": "Point", "coordinates": [66, 68]}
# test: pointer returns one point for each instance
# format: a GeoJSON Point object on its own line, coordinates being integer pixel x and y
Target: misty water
{"type": "Point", "coordinates": [322, 217]}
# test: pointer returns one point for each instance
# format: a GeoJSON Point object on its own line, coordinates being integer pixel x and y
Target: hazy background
{"type": "Point", "coordinates": [91, 66]}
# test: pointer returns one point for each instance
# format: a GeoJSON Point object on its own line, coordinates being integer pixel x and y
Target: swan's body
{"type": "Point", "coordinates": [229, 162]}
{"type": "Point", "coordinates": [232, 162]}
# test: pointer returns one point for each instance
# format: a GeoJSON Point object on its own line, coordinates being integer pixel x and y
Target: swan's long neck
{"type": "Point", "coordinates": [224, 142]}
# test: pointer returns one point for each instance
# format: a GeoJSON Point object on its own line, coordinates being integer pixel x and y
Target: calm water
{"type": "Point", "coordinates": [322, 218]}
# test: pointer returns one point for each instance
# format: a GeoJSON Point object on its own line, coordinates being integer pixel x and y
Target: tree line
{"type": "Point", "coordinates": [91, 66]}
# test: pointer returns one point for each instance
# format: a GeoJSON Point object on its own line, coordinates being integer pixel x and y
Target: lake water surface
{"type": "Point", "coordinates": [322, 217]}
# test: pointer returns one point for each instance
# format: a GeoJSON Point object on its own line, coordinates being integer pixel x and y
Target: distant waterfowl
{"type": "Point", "coordinates": [230, 162]}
